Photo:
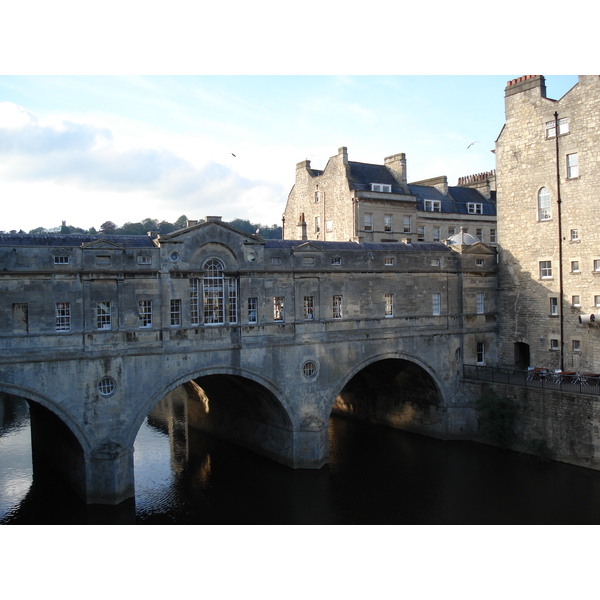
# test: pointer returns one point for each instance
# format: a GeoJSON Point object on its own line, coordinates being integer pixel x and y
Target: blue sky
{"type": "Point", "coordinates": [87, 149]}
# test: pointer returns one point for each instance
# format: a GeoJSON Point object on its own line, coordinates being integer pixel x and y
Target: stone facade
{"type": "Point", "coordinates": [352, 201]}
{"type": "Point", "coordinates": [549, 235]}
{"type": "Point", "coordinates": [277, 334]}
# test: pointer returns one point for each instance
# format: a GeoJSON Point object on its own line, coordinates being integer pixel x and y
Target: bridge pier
{"type": "Point", "coordinates": [109, 475]}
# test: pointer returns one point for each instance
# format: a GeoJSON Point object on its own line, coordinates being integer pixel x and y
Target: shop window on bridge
{"type": "Point", "coordinates": [145, 313]}
{"type": "Point", "coordinates": [252, 310]}
{"type": "Point", "coordinates": [337, 307]}
{"type": "Point", "coordinates": [194, 303]}
{"type": "Point", "coordinates": [219, 295]}
{"type": "Point", "coordinates": [278, 314]}
{"type": "Point", "coordinates": [63, 316]}
{"type": "Point", "coordinates": [309, 308]}
{"type": "Point", "coordinates": [175, 313]}
{"type": "Point", "coordinates": [103, 315]}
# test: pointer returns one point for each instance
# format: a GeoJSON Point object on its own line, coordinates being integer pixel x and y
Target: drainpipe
{"type": "Point", "coordinates": [560, 239]}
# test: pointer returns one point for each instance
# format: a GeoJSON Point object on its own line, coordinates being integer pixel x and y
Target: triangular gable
{"type": "Point", "coordinates": [102, 244]}
{"type": "Point", "coordinates": [180, 235]}
{"type": "Point", "coordinates": [478, 248]}
{"type": "Point", "coordinates": [307, 247]}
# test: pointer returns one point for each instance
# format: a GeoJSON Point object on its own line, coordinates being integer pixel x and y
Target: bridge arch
{"type": "Point", "coordinates": [54, 407]}
{"type": "Point", "coordinates": [233, 404]}
{"type": "Point", "coordinates": [59, 445]}
{"type": "Point", "coordinates": [394, 389]}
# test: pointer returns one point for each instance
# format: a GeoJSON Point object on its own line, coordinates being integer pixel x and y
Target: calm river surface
{"type": "Point", "coordinates": [376, 476]}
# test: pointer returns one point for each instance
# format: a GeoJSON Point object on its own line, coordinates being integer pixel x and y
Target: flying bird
{"type": "Point", "coordinates": [471, 145]}
{"type": "Point", "coordinates": [232, 154]}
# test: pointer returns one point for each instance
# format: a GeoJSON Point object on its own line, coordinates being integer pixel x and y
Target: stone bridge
{"type": "Point", "coordinates": [269, 337]}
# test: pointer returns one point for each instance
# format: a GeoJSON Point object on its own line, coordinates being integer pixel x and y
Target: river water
{"type": "Point", "coordinates": [376, 475]}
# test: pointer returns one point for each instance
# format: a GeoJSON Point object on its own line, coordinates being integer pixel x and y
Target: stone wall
{"type": "Point", "coordinates": [568, 423]}
{"type": "Point", "coordinates": [526, 163]}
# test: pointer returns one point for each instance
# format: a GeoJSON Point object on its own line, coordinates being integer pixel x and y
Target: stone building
{"type": "Point", "coordinates": [360, 202]}
{"type": "Point", "coordinates": [548, 174]}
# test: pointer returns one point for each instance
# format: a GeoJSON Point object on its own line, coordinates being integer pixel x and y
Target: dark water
{"type": "Point", "coordinates": [375, 476]}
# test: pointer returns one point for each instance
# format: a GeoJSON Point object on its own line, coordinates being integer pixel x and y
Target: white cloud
{"type": "Point", "coordinates": [59, 165]}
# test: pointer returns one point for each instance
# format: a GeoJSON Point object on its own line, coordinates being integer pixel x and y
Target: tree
{"type": "Point", "coordinates": [180, 223]}
{"type": "Point", "coordinates": [108, 227]}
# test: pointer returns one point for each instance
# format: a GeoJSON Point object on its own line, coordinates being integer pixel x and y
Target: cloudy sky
{"type": "Point", "coordinates": [84, 139]}
{"type": "Point", "coordinates": [87, 149]}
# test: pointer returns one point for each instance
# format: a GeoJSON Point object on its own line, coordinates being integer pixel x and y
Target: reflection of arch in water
{"type": "Point", "coordinates": [394, 390]}
{"type": "Point", "coordinates": [58, 444]}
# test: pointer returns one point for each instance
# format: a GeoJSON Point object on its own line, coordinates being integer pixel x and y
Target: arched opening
{"type": "Point", "coordinates": [229, 407]}
{"type": "Point", "coordinates": [41, 459]}
{"type": "Point", "coordinates": [393, 392]}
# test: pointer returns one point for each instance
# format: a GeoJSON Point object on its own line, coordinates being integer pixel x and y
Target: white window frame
{"type": "Point", "coordinates": [545, 269]}
{"type": "Point", "coordinates": [388, 223]}
{"type": "Point", "coordinates": [480, 353]}
{"type": "Point", "coordinates": [433, 206]}
{"type": "Point", "coordinates": [574, 235]}
{"type": "Point", "coordinates": [421, 233]}
{"type": "Point", "coordinates": [596, 265]}
{"type": "Point", "coordinates": [381, 187]}
{"type": "Point", "coordinates": [575, 266]}
{"type": "Point", "coordinates": [480, 303]}
{"type": "Point", "coordinates": [309, 308]}
{"type": "Point", "coordinates": [317, 197]}
{"type": "Point", "coordinates": [175, 312]}
{"type": "Point", "coordinates": [213, 293]}
{"type": "Point", "coordinates": [475, 208]}
{"type": "Point", "coordinates": [145, 314]}
{"type": "Point", "coordinates": [194, 302]}
{"type": "Point", "coordinates": [103, 316]}
{"type": "Point", "coordinates": [337, 306]}
{"type": "Point", "coordinates": [436, 304]}
{"type": "Point", "coordinates": [329, 226]}
{"type": "Point", "coordinates": [253, 309]}
{"type": "Point", "coordinates": [389, 305]}
{"type": "Point", "coordinates": [232, 301]}
{"type": "Point", "coordinates": [597, 301]}
{"type": "Point", "coordinates": [575, 345]}
{"type": "Point", "coordinates": [407, 224]}
{"type": "Point", "coordinates": [544, 199]}
{"type": "Point", "coordinates": [437, 233]}
{"type": "Point", "coordinates": [572, 166]}
{"type": "Point", "coordinates": [554, 307]}
{"type": "Point", "coordinates": [336, 260]}
{"type": "Point", "coordinates": [389, 261]}
{"type": "Point", "coordinates": [492, 236]}
{"type": "Point", "coordinates": [368, 221]}
{"type": "Point", "coordinates": [554, 344]}
{"type": "Point", "coordinates": [144, 259]}
{"type": "Point", "coordinates": [563, 128]}
{"type": "Point", "coordinates": [63, 316]}
{"type": "Point", "coordinates": [576, 300]}
{"type": "Point", "coordinates": [278, 309]}
{"type": "Point", "coordinates": [61, 259]}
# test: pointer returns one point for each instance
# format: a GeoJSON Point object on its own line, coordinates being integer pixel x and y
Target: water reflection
{"type": "Point", "coordinates": [375, 476]}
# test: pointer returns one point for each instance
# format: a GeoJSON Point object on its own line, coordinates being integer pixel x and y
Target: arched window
{"type": "Point", "coordinates": [544, 212]}
{"type": "Point", "coordinates": [213, 292]}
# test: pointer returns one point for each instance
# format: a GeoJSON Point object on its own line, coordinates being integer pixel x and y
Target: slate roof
{"type": "Point", "coordinates": [73, 240]}
{"type": "Point", "coordinates": [362, 175]}
{"type": "Point", "coordinates": [364, 247]}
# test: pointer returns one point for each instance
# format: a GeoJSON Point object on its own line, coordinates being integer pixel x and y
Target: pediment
{"type": "Point", "coordinates": [102, 244]}
{"type": "Point", "coordinates": [307, 247]}
{"type": "Point", "coordinates": [478, 248]}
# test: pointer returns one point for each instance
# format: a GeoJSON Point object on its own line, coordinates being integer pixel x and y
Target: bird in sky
{"type": "Point", "coordinates": [471, 145]}
{"type": "Point", "coordinates": [232, 154]}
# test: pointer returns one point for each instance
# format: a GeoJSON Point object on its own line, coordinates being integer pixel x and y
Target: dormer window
{"type": "Point", "coordinates": [474, 208]}
{"type": "Point", "coordinates": [433, 206]}
{"type": "Point", "coordinates": [381, 187]}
